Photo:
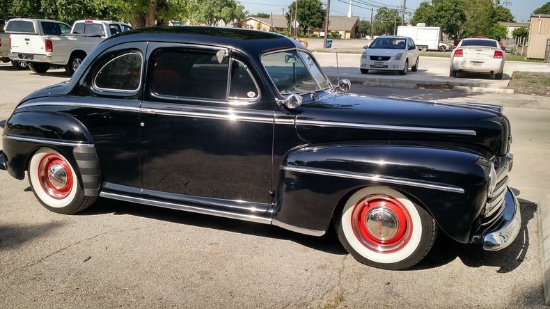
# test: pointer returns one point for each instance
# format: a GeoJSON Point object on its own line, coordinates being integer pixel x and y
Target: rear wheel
{"type": "Point", "coordinates": [381, 227]}
{"type": "Point", "coordinates": [37, 67]}
{"type": "Point", "coordinates": [55, 183]}
{"type": "Point", "coordinates": [74, 63]}
{"type": "Point", "coordinates": [20, 65]}
{"type": "Point", "coordinates": [415, 67]}
{"type": "Point", "coordinates": [452, 73]}
{"type": "Point", "coordinates": [364, 71]}
{"type": "Point", "coordinates": [405, 68]}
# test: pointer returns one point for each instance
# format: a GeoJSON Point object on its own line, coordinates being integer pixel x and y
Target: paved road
{"type": "Point", "coordinates": [125, 255]}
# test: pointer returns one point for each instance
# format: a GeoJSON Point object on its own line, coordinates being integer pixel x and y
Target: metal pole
{"type": "Point", "coordinates": [326, 24]}
{"type": "Point", "coordinates": [295, 19]}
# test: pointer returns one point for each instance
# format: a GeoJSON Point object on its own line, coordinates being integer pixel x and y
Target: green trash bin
{"type": "Point", "coordinates": [329, 44]}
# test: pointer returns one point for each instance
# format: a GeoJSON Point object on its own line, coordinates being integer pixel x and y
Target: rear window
{"type": "Point", "coordinates": [23, 26]}
{"type": "Point", "coordinates": [489, 43]}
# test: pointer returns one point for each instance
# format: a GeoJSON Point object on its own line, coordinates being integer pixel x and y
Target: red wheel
{"type": "Point", "coordinates": [381, 227]}
{"type": "Point", "coordinates": [55, 184]}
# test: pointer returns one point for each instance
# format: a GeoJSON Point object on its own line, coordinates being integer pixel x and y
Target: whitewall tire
{"type": "Point", "coordinates": [381, 227]}
{"type": "Point", "coordinates": [55, 183]}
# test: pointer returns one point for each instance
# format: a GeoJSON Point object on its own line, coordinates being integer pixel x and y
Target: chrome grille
{"type": "Point", "coordinates": [495, 203]}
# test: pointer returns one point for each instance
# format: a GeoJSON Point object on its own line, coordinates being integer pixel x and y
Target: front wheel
{"type": "Point", "coordinates": [55, 183]}
{"type": "Point", "coordinates": [405, 68]}
{"type": "Point", "coordinates": [364, 71]}
{"type": "Point", "coordinates": [381, 227]}
{"type": "Point", "coordinates": [37, 67]}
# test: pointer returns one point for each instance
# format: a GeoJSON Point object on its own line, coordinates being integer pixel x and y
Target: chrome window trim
{"type": "Point", "coordinates": [377, 178]}
{"type": "Point", "coordinates": [46, 141]}
{"type": "Point", "coordinates": [101, 90]}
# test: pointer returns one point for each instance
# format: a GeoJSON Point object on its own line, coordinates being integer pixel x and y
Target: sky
{"type": "Point", "coordinates": [521, 9]}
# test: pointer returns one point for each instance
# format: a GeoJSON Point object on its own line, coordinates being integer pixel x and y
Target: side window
{"type": "Point", "coordinates": [190, 73]}
{"type": "Point", "coordinates": [242, 84]}
{"type": "Point", "coordinates": [65, 29]}
{"type": "Point", "coordinates": [121, 72]}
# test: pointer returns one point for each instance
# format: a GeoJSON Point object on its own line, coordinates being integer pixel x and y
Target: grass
{"type": "Point", "coordinates": [532, 83]}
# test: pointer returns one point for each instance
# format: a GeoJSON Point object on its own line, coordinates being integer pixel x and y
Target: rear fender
{"type": "Point", "coordinates": [26, 132]}
{"type": "Point", "coordinates": [314, 180]}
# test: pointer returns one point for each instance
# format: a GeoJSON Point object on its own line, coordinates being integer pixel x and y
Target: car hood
{"type": "Point", "coordinates": [345, 117]}
{"type": "Point", "coordinates": [382, 52]}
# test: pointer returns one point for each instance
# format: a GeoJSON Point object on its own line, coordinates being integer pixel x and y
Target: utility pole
{"type": "Point", "coordinates": [326, 24]}
{"type": "Point", "coordinates": [371, 23]}
{"type": "Point", "coordinates": [295, 22]}
{"type": "Point", "coordinates": [404, 9]}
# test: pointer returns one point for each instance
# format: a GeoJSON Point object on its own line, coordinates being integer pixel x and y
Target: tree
{"type": "Point", "coordinates": [386, 21]}
{"type": "Point", "coordinates": [364, 28]}
{"type": "Point", "coordinates": [310, 14]}
{"type": "Point", "coordinates": [480, 18]}
{"type": "Point", "coordinates": [425, 13]}
{"type": "Point", "coordinates": [211, 12]}
{"type": "Point", "coordinates": [497, 31]}
{"type": "Point", "coordinates": [521, 32]}
{"type": "Point", "coordinates": [503, 14]}
{"type": "Point", "coordinates": [544, 9]}
{"type": "Point", "coordinates": [450, 15]}
{"type": "Point", "coordinates": [262, 15]}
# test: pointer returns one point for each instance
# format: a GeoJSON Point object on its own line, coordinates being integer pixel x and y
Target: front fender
{"type": "Point", "coordinates": [27, 131]}
{"type": "Point", "coordinates": [314, 180]}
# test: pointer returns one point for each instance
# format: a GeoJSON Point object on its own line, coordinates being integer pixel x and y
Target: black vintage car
{"type": "Point", "coordinates": [244, 124]}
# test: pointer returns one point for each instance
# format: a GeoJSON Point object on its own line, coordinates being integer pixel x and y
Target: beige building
{"type": "Point", "coordinates": [347, 27]}
{"type": "Point", "coordinates": [539, 37]}
{"type": "Point", "coordinates": [275, 22]}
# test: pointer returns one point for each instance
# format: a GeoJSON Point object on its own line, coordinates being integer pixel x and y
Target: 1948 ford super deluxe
{"type": "Point", "coordinates": [244, 124]}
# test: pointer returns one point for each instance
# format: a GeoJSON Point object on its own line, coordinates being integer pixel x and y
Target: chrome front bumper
{"type": "Point", "coordinates": [508, 229]}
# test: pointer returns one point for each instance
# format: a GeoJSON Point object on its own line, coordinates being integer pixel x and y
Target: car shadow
{"type": "Point", "coordinates": [328, 243]}
{"type": "Point", "coordinates": [444, 251]}
{"type": "Point", "coordinates": [480, 76]}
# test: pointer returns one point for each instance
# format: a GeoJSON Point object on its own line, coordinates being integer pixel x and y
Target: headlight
{"type": "Point", "coordinates": [398, 56]}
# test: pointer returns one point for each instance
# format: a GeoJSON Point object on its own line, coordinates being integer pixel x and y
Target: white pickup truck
{"type": "Point", "coordinates": [48, 42]}
{"type": "Point", "coordinates": [5, 48]}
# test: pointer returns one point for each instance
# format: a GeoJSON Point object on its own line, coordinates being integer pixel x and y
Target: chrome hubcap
{"type": "Point", "coordinates": [57, 175]}
{"type": "Point", "coordinates": [381, 223]}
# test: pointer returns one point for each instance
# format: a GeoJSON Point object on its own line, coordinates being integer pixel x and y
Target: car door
{"type": "Point", "coordinates": [202, 132]}
{"type": "Point", "coordinates": [412, 51]}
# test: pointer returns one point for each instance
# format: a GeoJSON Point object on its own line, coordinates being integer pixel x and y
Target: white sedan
{"type": "Point", "coordinates": [390, 53]}
{"type": "Point", "coordinates": [477, 55]}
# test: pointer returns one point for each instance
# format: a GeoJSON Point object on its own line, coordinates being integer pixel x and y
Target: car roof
{"type": "Point", "coordinates": [243, 39]}
{"type": "Point", "coordinates": [394, 36]}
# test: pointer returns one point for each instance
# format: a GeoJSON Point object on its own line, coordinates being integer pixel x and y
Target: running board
{"type": "Point", "coordinates": [251, 212]}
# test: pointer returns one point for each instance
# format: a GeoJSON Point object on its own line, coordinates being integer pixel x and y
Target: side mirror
{"type": "Point", "coordinates": [366, 46]}
{"type": "Point", "coordinates": [344, 85]}
{"type": "Point", "coordinates": [293, 101]}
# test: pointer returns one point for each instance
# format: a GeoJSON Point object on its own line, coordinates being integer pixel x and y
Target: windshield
{"type": "Point", "coordinates": [389, 43]}
{"type": "Point", "coordinates": [295, 71]}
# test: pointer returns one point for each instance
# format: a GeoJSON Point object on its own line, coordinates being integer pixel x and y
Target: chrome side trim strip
{"type": "Point", "coordinates": [377, 178]}
{"type": "Point", "coordinates": [298, 229]}
{"type": "Point", "coordinates": [226, 116]}
{"type": "Point", "coordinates": [46, 141]}
{"type": "Point", "coordinates": [384, 127]}
{"type": "Point", "coordinates": [90, 105]}
{"type": "Point", "coordinates": [183, 207]}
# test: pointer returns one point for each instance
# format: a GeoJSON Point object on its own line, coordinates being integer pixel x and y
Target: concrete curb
{"type": "Point", "coordinates": [544, 232]}
{"type": "Point", "coordinates": [459, 85]}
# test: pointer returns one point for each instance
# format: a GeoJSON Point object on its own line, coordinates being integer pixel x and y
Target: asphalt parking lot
{"type": "Point", "coordinates": [126, 255]}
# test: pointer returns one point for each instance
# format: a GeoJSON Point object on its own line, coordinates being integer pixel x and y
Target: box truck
{"type": "Point", "coordinates": [426, 38]}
